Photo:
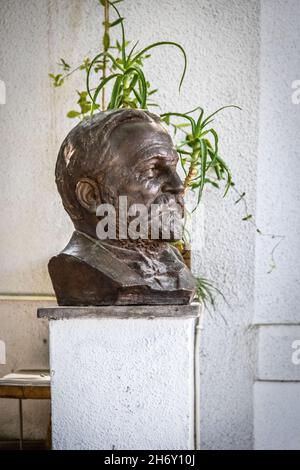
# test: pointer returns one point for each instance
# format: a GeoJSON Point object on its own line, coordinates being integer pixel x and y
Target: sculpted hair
{"type": "Point", "coordinates": [86, 150]}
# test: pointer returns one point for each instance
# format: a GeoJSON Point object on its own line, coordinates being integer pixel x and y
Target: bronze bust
{"type": "Point", "coordinates": [115, 154]}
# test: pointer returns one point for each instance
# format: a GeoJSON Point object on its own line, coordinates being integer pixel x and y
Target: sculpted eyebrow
{"type": "Point", "coordinates": [172, 160]}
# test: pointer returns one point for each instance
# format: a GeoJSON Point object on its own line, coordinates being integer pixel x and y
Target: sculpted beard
{"type": "Point", "coordinates": [163, 217]}
{"type": "Point", "coordinates": [168, 216]}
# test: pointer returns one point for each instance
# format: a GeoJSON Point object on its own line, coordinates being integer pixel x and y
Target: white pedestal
{"type": "Point", "coordinates": [122, 377]}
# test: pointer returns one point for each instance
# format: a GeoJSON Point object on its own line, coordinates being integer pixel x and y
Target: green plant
{"type": "Point", "coordinates": [130, 87]}
{"type": "Point", "coordinates": [207, 292]}
{"type": "Point", "coordinates": [199, 151]}
{"type": "Point", "coordinates": [251, 219]}
{"type": "Point", "coordinates": [115, 66]}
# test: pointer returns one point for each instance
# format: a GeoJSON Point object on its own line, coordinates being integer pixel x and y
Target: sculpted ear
{"type": "Point", "coordinates": [88, 195]}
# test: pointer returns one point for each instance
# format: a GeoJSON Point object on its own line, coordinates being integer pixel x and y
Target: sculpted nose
{"type": "Point", "coordinates": [172, 184]}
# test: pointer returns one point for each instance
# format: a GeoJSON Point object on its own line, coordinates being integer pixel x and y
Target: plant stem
{"type": "Point", "coordinates": [126, 91]}
{"type": "Point", "coordinates": [192, 170]}
{"type": "Point", "coordinates": [105, 48]}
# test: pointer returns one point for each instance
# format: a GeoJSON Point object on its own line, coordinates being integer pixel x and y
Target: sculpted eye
{"type": "Point", "coordinates": [150, 172]}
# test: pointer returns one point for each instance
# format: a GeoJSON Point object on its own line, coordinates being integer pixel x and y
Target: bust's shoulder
{"type": "Point", "coordinates": [89, 254]}
{"type": "Point", "coordinates": [85, 273]}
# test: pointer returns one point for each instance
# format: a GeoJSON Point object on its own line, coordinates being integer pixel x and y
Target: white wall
{"type": "Point", "coordinates": [277, 295]}
{"type": "Point", "coordinates": [229, 60]}
{"type": "Point", "coordinates": [222, 40]}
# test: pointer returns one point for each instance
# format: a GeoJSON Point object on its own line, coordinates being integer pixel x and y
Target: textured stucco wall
{"type": "Point", "coordinates": [276, 396]}
{"type": "Point", "coordinates": [278, 295]}
{"type": "Point", "coordinates": [222, 42]}
{"type": "Point", "coordinates": [122, 384]}
{"type": "Point", "coordinates": [276, 416]}
{"type": "Point", "coordinates": [231, 59]}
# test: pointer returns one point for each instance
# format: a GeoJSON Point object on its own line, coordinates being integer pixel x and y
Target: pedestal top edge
{"type": "Point", "coordinates": [192, 310]}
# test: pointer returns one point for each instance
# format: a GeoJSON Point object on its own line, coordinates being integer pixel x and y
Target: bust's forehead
{"type": "Point", "coordinates": [134, 136]}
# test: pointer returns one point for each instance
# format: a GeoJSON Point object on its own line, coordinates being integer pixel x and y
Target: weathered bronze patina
{"type": "Point", "coordinates": [118, 153]}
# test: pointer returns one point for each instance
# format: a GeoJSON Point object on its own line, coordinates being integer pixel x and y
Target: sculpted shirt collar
{"type": "Point", "coordinates": [156, 263]}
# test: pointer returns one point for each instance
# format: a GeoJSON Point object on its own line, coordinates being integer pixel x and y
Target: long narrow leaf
{"type": "Point", "coordinates": [102, 54]}
{"type": "Point", "coordinates": [131, 51]}
{"type": "Point", "coordinates": [195, 109]}
{"type": "Point", "coordinates": [203, 156]}
{"type": "Point", "coordinates": [182, 151]}
{"type": "Point", "coordinates": [218, 110]}
{"type": "Point", "coordinates": [164, 43]}
{"type": "Point", "coordinates": [142, 82]}
{"type": "Point", "coordinates": [229, 177]}
{"type": "Point", "coordinates": [184, 116]}
{"type": "Point", "coordinates": [115, 93]}
{"type": "Point", "coordinates": [198, 127]}
{"type": "Point", "coordinates": [137, 95]}
{"type": "Point", "coordinates": [182, 166]}
{"type": "Point", "coordinates": [216, 139]}
{"type": "Point", "coordinates": [99, 88]}
{"type": "Point", "coordinates": [123, 51]}
{"type": "Point", "coordinates": [214, 163]}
